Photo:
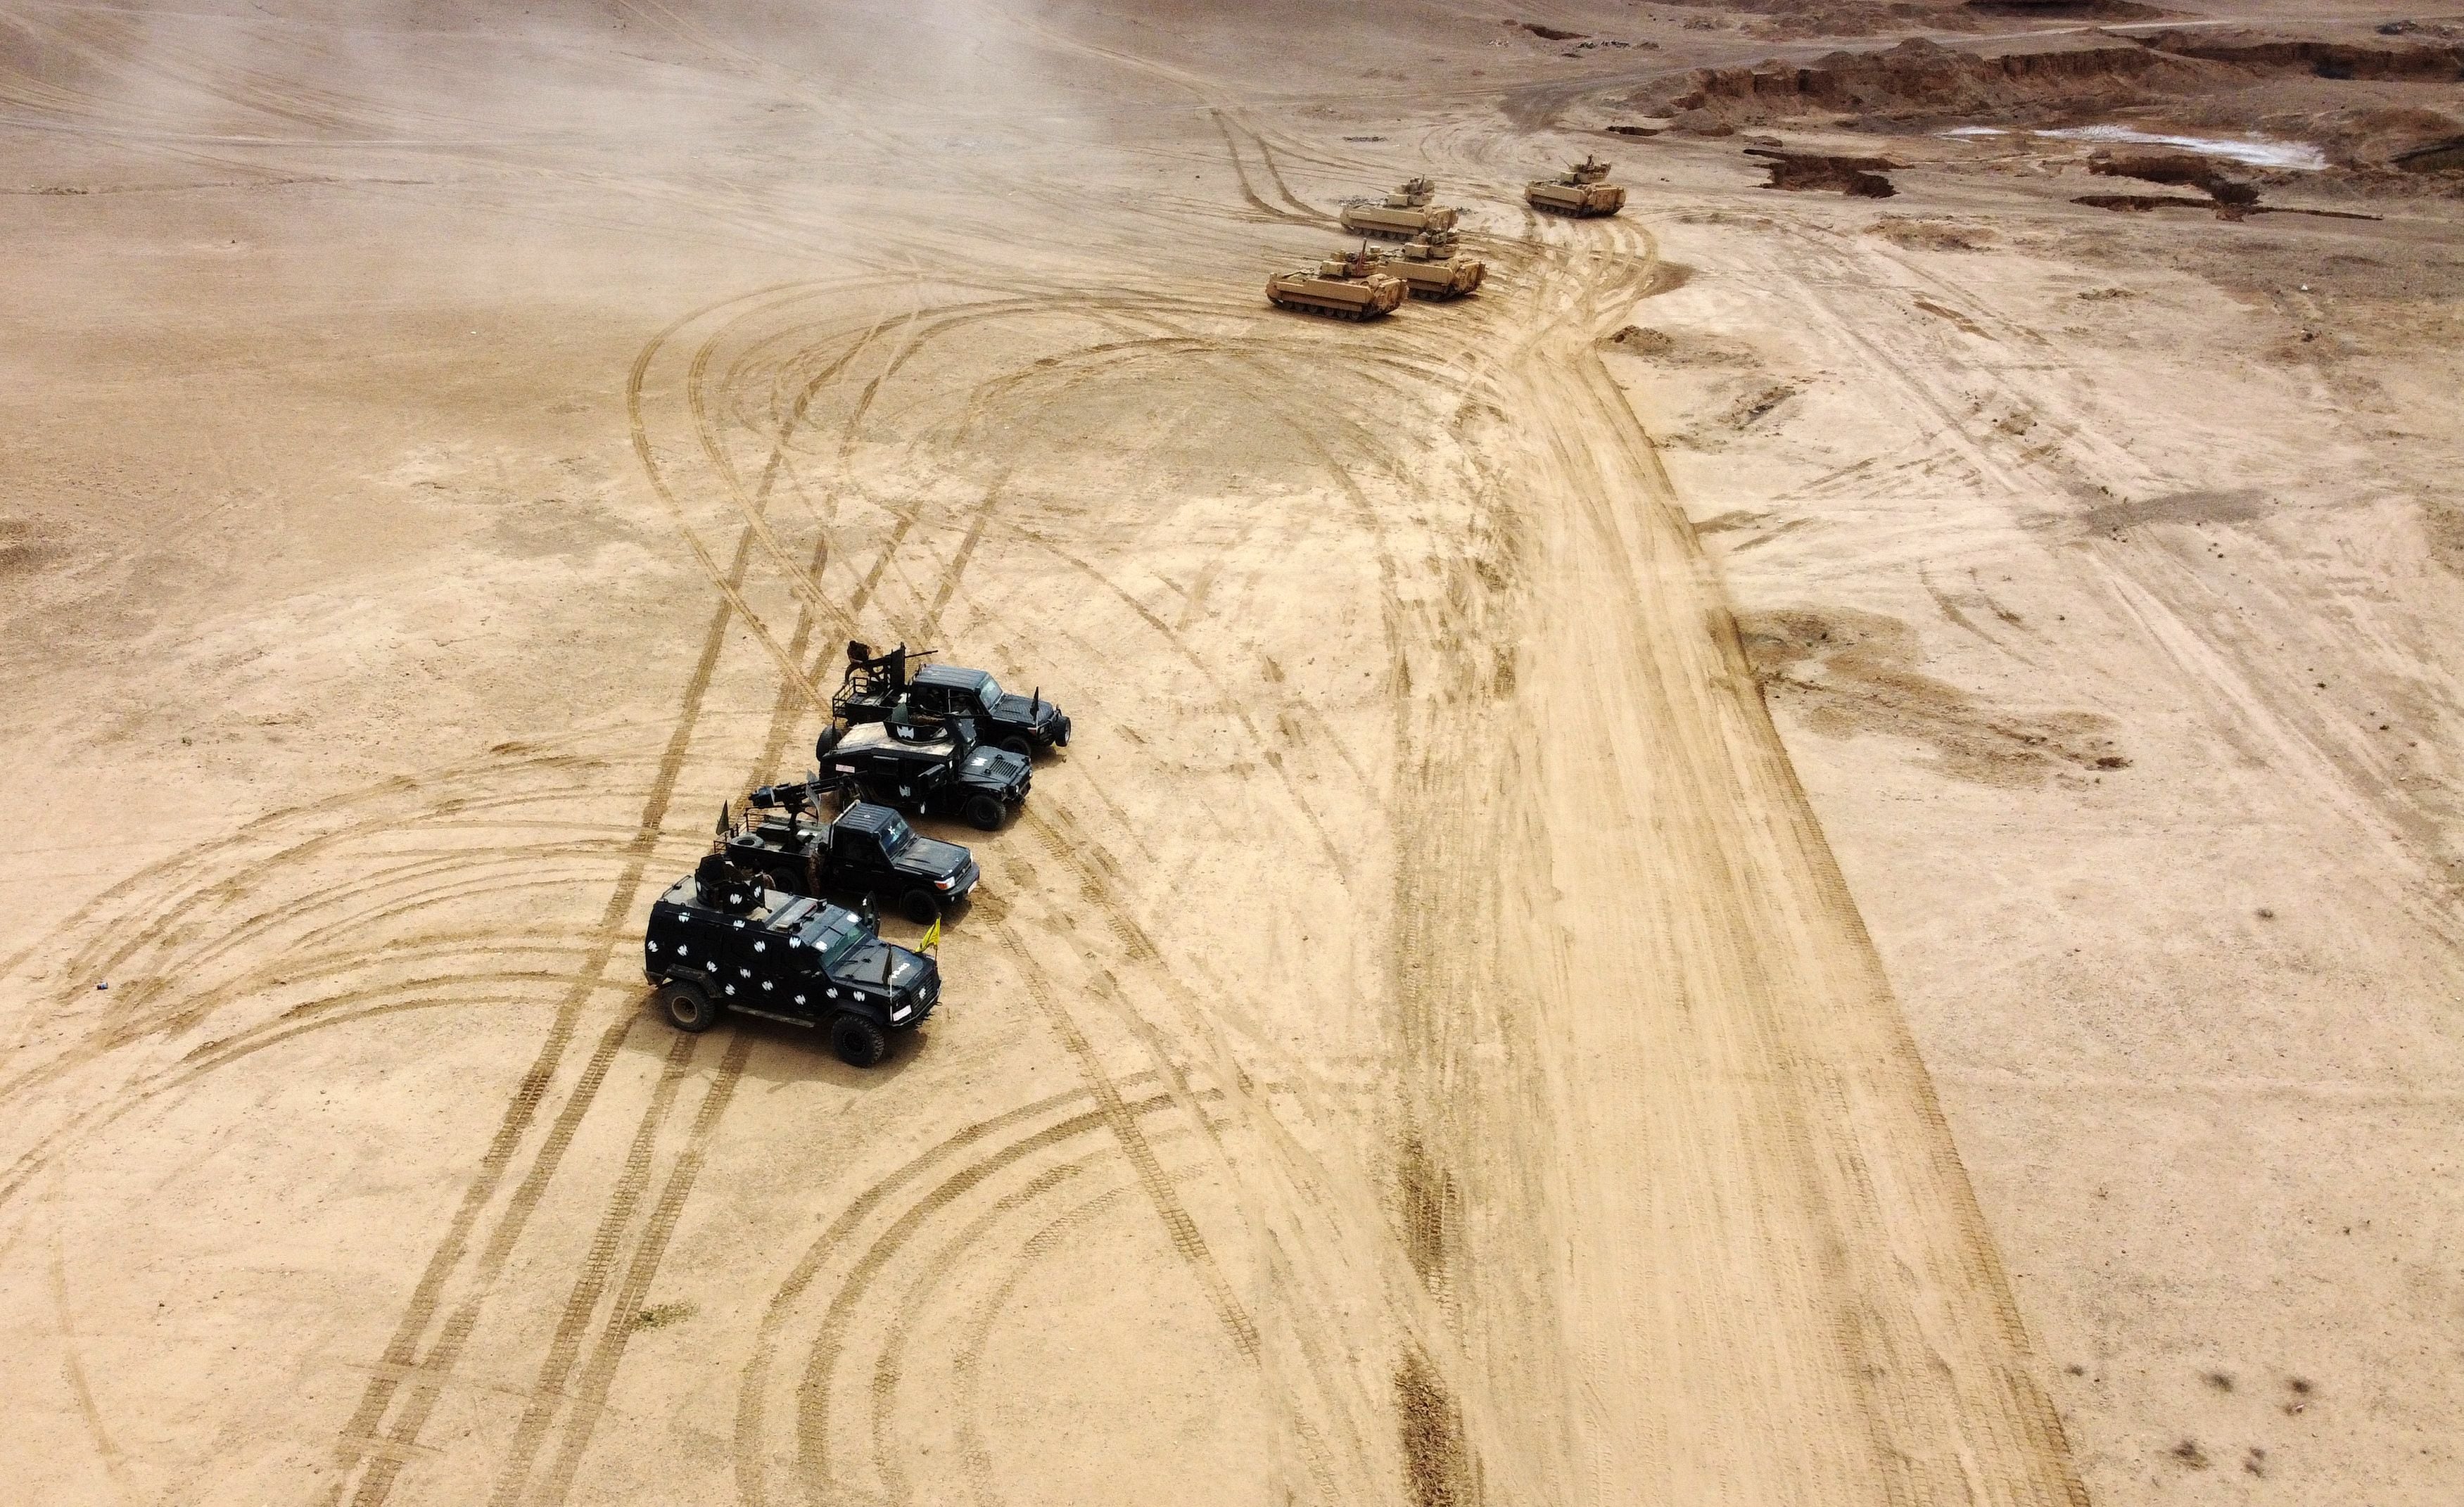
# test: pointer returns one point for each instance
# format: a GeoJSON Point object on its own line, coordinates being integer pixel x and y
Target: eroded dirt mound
{"type": "Point", "coordinates": [1922, 79]}
{"type": "Point", "coordinates": [1857, 177]}
{"type": "Point", "coordinates": [1857, 672]}
{"type": "Point", "coordinates": [1919, 77]}
{"type": "Point", "coordinates": [2381, 57]}
{"type": "Point", "coordinates": [2070, 10]}
{"type": "Point", "coordinates": [1780, 19]}
{"type": "Point", "coordinates": [2180, 169]}
{"type": "Point", "coordinates": [2404, 138]}
{"type": "Point", "coordinates": [1933, 233]}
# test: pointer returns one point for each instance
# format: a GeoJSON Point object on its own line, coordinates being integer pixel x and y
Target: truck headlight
{"type": "Point", "coordinates": [944, 884]}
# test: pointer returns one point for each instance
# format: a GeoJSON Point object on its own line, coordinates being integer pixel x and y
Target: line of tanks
{"type": "Point", "coordinates": [1370, 283]}
{"type": "Point", "coordinates": [778, 919]}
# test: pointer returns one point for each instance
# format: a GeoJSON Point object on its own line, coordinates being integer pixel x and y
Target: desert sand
{"type": "Point", "coordinates": [1807, 854]}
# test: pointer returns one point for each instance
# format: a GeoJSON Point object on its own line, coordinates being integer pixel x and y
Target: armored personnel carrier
{"type": "Point", "coordinates": [1344, 285]}
{"type": "Point", "coordinates": [876, 685]}
{"type": "Point", "coordinates": [1581, 190]}
{"type": "Point", "coordinates": [867, 851]}
{"type": "Point", "coordinates": [720, 940]}
{"type": "Point", "coordinates": [1430, 267]}
{"type": "Point", "coordinates": [1403, 213]}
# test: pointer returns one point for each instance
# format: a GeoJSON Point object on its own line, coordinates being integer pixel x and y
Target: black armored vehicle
{"type": "Point", "coordinates": [868, 850]}
{"type": "Point", "coordinates": [928, 768]}
{"type": "Point", "coordinates": [722, 941]}
{"type": "Point", "coordinates": [876, 685]}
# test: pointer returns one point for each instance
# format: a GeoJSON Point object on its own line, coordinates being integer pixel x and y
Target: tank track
{"type": "Point", "coordinates": [1571, 214]}
{"type": "Point", "coordinates": [1354, 315]}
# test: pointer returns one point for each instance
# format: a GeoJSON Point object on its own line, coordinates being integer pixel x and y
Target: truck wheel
{"type": "Point", "coordinates": [983, 813]}
{"type": "Point", "coordinates": [688, 1007]}
{"type": "Point", "coordinates": [920, 905]}
{"type": "Point", "coordinates": [858, 1041]}
{"type": "Point", "coordinates": [1019, 744]}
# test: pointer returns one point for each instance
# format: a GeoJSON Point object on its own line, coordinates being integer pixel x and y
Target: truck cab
{"type": "Point", "coordinates": [1020, 724]}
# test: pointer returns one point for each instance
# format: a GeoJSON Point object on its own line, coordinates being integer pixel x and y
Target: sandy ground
{"type": "Point", "coordinates": [1809, 854]}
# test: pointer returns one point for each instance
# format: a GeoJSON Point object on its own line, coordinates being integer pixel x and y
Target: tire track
{"type": "Point", "coordinates": [403, 1356]}
{"type": "Point", "coordinates": [1178, 1227]}
{"type": "Point", "coordinates": [649, 1251]}
{"type": "Point", "coordinates": [813, 1410]}
{"type": "Point", "coordinates": [753, 1382]}
{"type": "Point", "coordinates": [598, 1264]}
{"type": "Point", "coordinates": [598, 1374]}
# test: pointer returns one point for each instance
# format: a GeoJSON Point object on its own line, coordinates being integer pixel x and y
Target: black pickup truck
{"type": "Point", "coordinates": [878, 686]}
{"type": "Point", "coordinates": [868, 850]}
{"type": "Point", "coordinates": [928, 768]}
{"type": "Point", "coordinates": [719, 941]}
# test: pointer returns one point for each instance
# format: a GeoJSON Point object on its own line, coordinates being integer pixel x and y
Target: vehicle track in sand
{"type": "Point", "coordinates": [547, 1409]}
{"type": "Point", "coordinates": [868, 390]}
{"type": "Point", "coordinates": [1186, 1231]}
{"type": "Point", "coordinates": [1550, 1152]}
{"type": "Point", "coordinates": [512, 1482]}
{"type": "Point", "coordinates": [235, 933]}
{"type": "Point", "coordinates": [1874, 1327]}
{"type": "Point", "coordinates": [405, 1356]}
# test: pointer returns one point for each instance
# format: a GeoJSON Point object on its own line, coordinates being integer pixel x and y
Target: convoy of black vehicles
{"type": "Point", "coordinates": [752, 930]}
{"type": "Point", "coordinates": [877, 687]}
{"type": "Point", "coordinates": [720, 940]}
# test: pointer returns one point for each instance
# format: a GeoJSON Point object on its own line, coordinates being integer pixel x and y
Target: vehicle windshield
{"type": "Point", "coordinates": [896, 834]}
{"type": "Point", "coordinates": [990, 693]}
{"type": "Point", "coordinates": [833, 936]}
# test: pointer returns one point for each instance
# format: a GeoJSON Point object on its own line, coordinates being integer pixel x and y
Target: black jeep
{"type": "Point", "coordinates": [720, 941]}
{"type": "Point", "coordinates": [876, 685]}
{"type": "Point", "coordinates": [929, 768]}
{"type": "Point", "coordinates": [869, 850]}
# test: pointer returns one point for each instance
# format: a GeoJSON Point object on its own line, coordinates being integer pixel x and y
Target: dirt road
{"type": "Point", "coordinates": [1417, 1046]}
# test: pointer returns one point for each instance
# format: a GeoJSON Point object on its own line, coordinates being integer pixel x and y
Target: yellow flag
{"type": "Point", "coordinates": [932, 936]}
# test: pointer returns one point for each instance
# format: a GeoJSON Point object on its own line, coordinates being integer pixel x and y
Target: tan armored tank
{"type": "Point", "coordinates": [1581, 190]}
{"type": "Point", "coordinates": [1430, 267]}
{"type": "Point", "coordinates": [1404, 213]}
{"type": "Point", "coordinates": [1343, 286]}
